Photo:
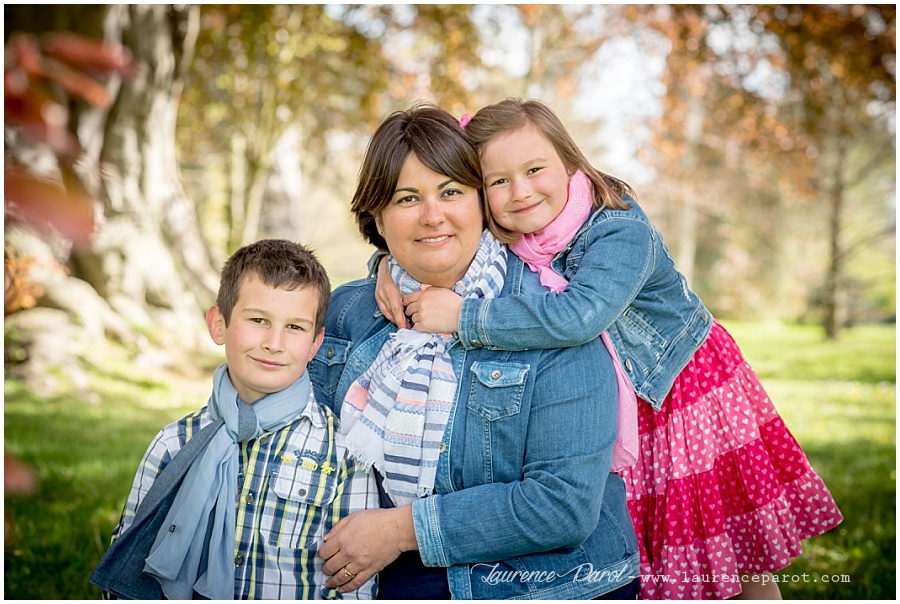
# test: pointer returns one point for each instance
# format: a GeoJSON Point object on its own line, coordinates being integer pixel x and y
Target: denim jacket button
{"type": "Point", "coordinates": [704, 316]}
{"type": "Point", "coordinates": [627, 364]}
{"type": "Point", "coordinates": [443, 446]}
{"type": "Point", "coordinates": [495, 374]}
{"type": "Point", "coordinates": [476, 343]}
{"type": "Point", "coordinates": [330, 352]}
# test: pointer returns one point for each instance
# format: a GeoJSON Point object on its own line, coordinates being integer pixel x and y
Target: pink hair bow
{"type": "Point", "coordinates": [464, 120]}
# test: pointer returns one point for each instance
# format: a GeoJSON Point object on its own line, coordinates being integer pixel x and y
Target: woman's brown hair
{"type": "Point", "coordinates": [434, 137]}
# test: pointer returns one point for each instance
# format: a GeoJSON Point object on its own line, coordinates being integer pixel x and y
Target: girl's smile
{"type": "Point", "coordinates": [527, 209]}
{"type": "Point", "coordinates": [525, 180]}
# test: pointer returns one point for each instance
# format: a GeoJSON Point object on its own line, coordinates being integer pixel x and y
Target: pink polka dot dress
{"type": "Point", "coordinates": [721, 487]}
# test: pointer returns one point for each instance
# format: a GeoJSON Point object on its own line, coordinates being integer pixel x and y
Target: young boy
{"type": "Point", "coordinates": [249, 517]}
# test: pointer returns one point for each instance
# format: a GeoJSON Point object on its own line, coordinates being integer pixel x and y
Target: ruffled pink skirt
{"type": "Point", "coordinates": [721, 487]}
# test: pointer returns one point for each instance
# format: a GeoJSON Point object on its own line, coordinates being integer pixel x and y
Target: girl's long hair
{"type": "Point", "coordinates": [513, 114]}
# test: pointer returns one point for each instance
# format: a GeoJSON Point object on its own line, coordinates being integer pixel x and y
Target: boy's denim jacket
{"type": "Point", "coordinates": [524, 465]}
{"type": "Point", "coordinates": [622, 280]}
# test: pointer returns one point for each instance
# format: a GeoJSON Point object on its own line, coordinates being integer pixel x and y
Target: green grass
{"type": "Point", "coordinates": [837, 398]}
{"type": "Point", "coordinates": [839, 401]}
{"type": "Point", "coordinates": [85, 455]}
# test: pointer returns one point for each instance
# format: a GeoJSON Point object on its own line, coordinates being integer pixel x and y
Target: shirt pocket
{"type": "Point", "coordinates": [497, 389]}
{"type": "Point", "coordinates": [303, 492]}
{"type": "Point", "coordinates": [493, 425]}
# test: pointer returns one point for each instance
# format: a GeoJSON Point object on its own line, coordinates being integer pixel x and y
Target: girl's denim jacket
{"type": "Point", "coordinates": [524, 464]}
{"type": "Point", "coordinates": [621, 280]}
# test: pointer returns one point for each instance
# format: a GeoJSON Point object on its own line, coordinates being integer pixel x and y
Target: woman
{"type": "Point", "coordinates": [495, 464]}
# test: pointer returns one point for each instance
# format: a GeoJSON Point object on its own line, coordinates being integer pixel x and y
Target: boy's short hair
{"type": "Point", "coordinates": [277, 263]}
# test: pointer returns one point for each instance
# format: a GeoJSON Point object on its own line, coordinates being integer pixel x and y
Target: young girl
{"type": "Point", "coordinates": [721, 494]}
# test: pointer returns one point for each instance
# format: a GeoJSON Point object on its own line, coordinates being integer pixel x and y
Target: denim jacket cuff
{"type": "Point", "coordinates": [428, 531]}
{"type": "Point", "coordinates": [471, 319]}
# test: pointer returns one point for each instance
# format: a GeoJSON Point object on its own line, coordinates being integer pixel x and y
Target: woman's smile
{"type": "Point", "coordinates": [432, 225]}
{"type": "Point", "coordinates": [436, 239]}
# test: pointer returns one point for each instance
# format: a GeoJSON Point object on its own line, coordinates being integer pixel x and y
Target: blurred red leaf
{"type": "Point", "coordinates": [17, 478]}
{"type": "Point", "coordinates": [91, 55]}
{"type": "Point", "coordinates": [76, 83]}
{"type": "Point", "coordinates": [39, 117]}
{"type": "Point", "coordinates": [36, 71]}
{"type": "Point", "coordinates": [69, 61]}
{"type": "Point", "coordinates": [40, 204]}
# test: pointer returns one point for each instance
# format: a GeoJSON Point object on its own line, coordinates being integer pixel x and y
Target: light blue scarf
{"type": "Point", "coordinates": [205, 503]}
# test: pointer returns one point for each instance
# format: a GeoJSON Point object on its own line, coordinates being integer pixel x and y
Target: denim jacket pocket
{"type": "Point", "coordinates": [326, 367]}
{"type": "Point", "coordinates": [300, 487]}
{"type": "Point", "coordinates": [641, 328]}
{"type": "Point", "coordinates": [497, 389]}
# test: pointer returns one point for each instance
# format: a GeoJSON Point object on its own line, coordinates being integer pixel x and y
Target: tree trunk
{"type": "Point", "coordinates": [147, 258]}
{"type": "Point", "coordinates": [237, 215]}
{"type": "Point", "coordinates": [832, 320]}
{"type": "Point", "coordinates": [687, 221]}
{"type": "Point", "coordinates": [255, 196]}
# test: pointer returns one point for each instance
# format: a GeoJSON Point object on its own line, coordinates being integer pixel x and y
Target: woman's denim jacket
{"type": "Point", "coordinates": [621, 280]}
{"type": "Point", "coordinates": [524, 506]}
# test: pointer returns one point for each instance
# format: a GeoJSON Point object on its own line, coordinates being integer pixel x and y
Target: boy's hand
{"type": "Point", "coordinates": [363, 543]}
{"type": "Point", "coordinates": [388, 296]}
{"type": "Point", "coordinates": [435, 309]}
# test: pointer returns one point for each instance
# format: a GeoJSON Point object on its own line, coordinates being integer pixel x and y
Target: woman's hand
{"type": "Point", "coordinates": [435, 309]}
{"type": "Point", "coordinates": [388, 296]}
{"type": "Point", "coordinates": [364, 542]}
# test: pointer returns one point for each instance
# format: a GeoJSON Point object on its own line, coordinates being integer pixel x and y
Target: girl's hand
{"type": "Point", "coordinates": [363, 543]}
{"type": "Point", "coordinates": [435, 309]}
{"type": "Point", "coordinates": [387, 295]}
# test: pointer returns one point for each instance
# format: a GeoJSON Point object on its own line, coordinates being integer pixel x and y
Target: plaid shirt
{"type": "Point", "coordinates": [293, 486]}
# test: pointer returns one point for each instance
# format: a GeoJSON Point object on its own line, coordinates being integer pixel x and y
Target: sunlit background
{"type": "Point", "coordinates": [761, 140]}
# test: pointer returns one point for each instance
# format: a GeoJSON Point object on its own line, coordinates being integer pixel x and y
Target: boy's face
{"type": "Point", "coordinates": [269, 339]}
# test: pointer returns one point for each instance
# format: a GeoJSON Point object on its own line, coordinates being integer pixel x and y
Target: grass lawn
{"type": "Point", "coordinates": [85, 455]}
{"type": "Point", "coordinates": [838, 400]}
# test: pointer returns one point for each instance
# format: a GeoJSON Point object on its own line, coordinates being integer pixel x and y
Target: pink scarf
{"type": "Point", "coordinates": [537, 250]}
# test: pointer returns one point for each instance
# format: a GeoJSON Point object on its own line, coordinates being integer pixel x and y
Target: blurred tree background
{"type": "Point", "coordinates": [760, 138]}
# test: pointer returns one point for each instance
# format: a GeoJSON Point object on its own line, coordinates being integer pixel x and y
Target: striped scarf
{"type": "Point", "coordinates": [395, 414]}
